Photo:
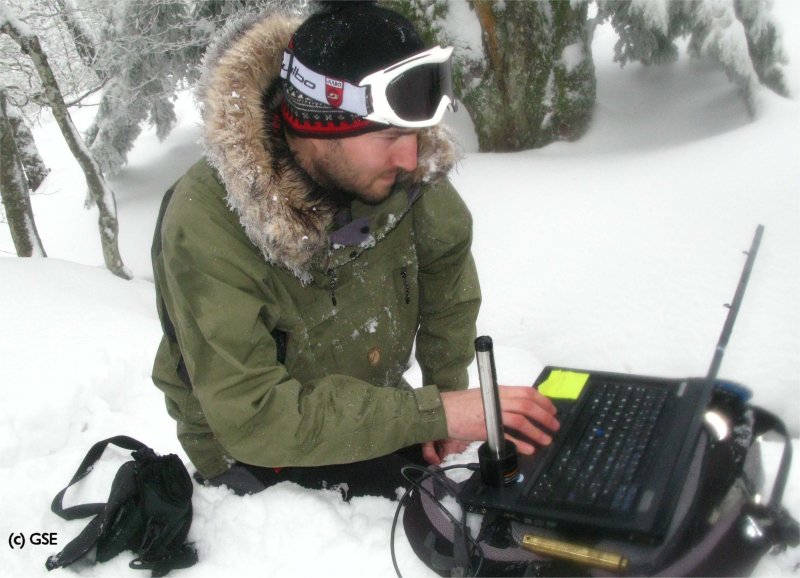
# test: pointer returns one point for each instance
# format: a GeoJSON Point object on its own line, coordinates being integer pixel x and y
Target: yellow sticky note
{"type": "Point", "coordinates": [563, 384]}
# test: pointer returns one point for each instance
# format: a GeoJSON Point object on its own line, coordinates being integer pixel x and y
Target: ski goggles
{"type": "Point", "coordinates": [412, 93]}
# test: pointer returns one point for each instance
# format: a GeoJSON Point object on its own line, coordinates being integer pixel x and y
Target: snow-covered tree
{"type": "Point", "coordinates": [763, 42]}
{"type": "Point", "coordinates": [101, 194]}
{"type": "Point", "coordinates": [14, 183]}
{"type": "Point", "coordinates": [48, 21]}
{"type": "Point", "coordinates": [143, 54]}
{"type": "Point", "coordinates": [739, 34]}
{"type": "Point", "coordinates": [149, 49]}
{"type": "Point", "coordinates": [525, 70]}
{"type": "Point", "coordinates": [82, 34]}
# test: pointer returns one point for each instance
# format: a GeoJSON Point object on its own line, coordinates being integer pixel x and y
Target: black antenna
{"type": "Point", "coordinates": [733, 307]}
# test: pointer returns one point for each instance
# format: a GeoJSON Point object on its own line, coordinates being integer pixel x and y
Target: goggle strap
{"type": "Point", "coordinates": [321, 88]}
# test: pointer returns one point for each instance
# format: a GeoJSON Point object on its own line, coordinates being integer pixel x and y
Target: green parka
{"type": "Point", "coordinates": [288, 326]}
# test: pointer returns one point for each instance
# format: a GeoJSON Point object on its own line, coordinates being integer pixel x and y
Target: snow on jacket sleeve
{"type": "Point", "coordinates": [211, 283]}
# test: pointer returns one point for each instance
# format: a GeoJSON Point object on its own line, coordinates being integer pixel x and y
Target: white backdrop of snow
{"type": "Point", "coordinates": [615, 252]}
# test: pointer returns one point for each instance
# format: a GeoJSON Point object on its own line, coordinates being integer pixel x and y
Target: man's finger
{"type": "Point", "coordinates": [430, 455]}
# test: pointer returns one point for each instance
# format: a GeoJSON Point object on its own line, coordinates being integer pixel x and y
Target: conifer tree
{"type": "Point", "coordinates": [150, 49]}
{"type": "Point", "coordinates": [763, 43]}
{"type": "Point", "coordinates": [143, 53]}
{"type": "Point", "coordinates": [82, 34]}
{"type": "Point", "coordinates": [739, 34]}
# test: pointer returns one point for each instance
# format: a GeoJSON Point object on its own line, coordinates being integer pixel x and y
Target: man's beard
{"type": "Point", "coordinates": [342, 191]}
{"type": "Point", "coordinates": [344, 182]}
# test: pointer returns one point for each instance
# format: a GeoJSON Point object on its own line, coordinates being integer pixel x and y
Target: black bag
{"type": "Point", "coordinates": [149, 512]}
{"type": "Point", "coordinates": [719, 529]}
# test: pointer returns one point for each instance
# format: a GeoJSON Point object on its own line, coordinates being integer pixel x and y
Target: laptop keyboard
{"type": "Point", "coordinates": [599, 467]}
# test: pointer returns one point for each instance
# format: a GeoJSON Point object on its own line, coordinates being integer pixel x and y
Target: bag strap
{"type": "Point", "coordinates": [779, 527]}
{"type": "Point", "coordinates": [94, 454]}
{"type": "Point", "coordinates": [766, 422]}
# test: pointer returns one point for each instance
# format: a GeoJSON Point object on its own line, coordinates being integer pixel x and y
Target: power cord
{"type": "Point", "coordinates": [416, 475]}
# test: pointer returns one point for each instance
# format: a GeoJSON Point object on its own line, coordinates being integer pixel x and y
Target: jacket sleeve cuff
{"type": "Point", "coordinates": [431, 410]}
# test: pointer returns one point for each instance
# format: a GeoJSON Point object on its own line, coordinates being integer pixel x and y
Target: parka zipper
{"type": "Point", "coordinates": [404, 275]}
{"type": "Point", "coordinates": [332, 285]}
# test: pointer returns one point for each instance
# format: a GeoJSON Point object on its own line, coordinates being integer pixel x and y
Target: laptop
{"type": "Point", "coordinates": [619, 462]}
{"type": "Point", "coordinates": [616, 466]}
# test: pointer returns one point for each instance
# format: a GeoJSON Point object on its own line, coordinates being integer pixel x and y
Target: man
{"type": "Point", "coordinates": [297, 265]}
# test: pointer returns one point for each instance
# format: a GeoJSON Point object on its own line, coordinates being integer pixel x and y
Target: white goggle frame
{"type": "Point", "coordinates": [378, 83]}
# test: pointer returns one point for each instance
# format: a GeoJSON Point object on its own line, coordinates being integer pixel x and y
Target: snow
{"type": "Point", "coordinates": [571, 57]}
{"type": "Point", "coordinates": [463, 30]}
{"type": "Point", "coordinates": [17, 27]}
{"type": "Point", "coordinates": [615, 252]}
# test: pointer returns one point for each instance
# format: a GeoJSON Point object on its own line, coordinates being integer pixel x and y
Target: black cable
{"type": "Point", "coordinates": [416, 483]}
{"type": "Point", "coordinates": [394, 527]}
{"type": "Point", "coordinates": [445, 483]}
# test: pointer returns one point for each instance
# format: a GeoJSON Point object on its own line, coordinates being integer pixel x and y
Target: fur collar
{"type": "Point", "coordinates": [274, 199]}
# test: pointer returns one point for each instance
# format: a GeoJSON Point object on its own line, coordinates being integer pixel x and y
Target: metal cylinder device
{"type": "Point", "coordinates": [498, 456]}
{"type": "Point", "coordinates": [487, 374]}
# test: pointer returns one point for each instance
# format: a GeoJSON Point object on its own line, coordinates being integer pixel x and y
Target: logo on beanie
{"type": "Point", "coordinates": [334, 91]}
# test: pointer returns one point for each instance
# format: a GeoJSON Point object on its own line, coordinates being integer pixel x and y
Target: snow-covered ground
{"type": "Point", "coordinates": [616, 252]}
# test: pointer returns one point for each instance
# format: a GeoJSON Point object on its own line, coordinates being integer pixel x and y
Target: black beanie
{"type": "Point", "coordinates": [346, 41]}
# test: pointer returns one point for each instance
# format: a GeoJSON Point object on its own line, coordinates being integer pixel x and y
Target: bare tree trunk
{"type": "Point", "coordinates": [99, 191]}
{"type": "Point", "coordinates": [14, 187]}
{"type": "Point", "coordinates": [537, 85]}
{"type": "Point", "coordinates": [35, 169]}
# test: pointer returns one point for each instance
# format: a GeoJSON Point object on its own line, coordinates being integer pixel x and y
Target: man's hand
{"type": "Point", "coordinates": [525, 412]}
{"type": "Point", "coordinates": [435, 452]}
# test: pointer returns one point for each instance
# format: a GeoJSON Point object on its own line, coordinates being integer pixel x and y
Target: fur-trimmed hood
{"type": "Point", "coordinates": [271, 195]}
